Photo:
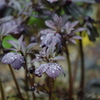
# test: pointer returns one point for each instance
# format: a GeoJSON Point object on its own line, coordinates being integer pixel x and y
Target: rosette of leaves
{"type": "Point", "coordinates": [66, 31]}
{"type": "Point", "coordinates": [91, 29]}
{"type": "Point", "coordinates": [51, 37]}
{"type": "Point", "coordinates": [71, 30]}
{"type": "Point", "coordinates": [50, 68]}
{"type": "Point", "coordinates": [20, 46]}
{"type": "Point", "coordinates": [55, 25]}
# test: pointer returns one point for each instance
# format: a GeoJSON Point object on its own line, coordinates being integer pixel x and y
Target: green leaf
{"type": "Point", "coordinates": [5, 43]}
{"type": "Point", "coordinates": [37, 21]}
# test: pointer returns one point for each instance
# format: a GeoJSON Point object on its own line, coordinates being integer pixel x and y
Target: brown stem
{"type": "Point", "coordinates": [75, 68]}
{"type": "Point", "coordinates": [16, 83]}
{"type": "Point", "coordinates": [50, 88]}
{"type": "Point", "coordinates": [2, 91]}
{"type": "Point", "coordinates": [70, 74]}
{"type": "Point", "coordinates": [82, 70]}
{"type": "Point", "coordinates": [29, 78]}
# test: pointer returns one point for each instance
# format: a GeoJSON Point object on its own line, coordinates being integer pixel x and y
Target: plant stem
{"type": "Point", "coordinates": [75, 68]}
{"type": "Point", "coordinates": [16, 83]}
{"type": "Point", "coordinates": [50, 88]}
{"type": "Point", "coordinates": [82, 69]}
{"type": "Point", "coordinates": [2, 91]}
{"type": "Point", "coordinates": [28, 78]}
{"type": "Point", "coordinates": [70, 73]}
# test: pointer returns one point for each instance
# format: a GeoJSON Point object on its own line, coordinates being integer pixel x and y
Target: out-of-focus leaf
{"type": "Point", "coordinates": [11, 29]}
{"type": "Point", "coordinates": [45, 31]}
{"type": "Point", "coordinates": [93, 86]}
{"type": "Point", "coordinates": [36, 60]}
{"type": "Point", "coordinates": [36, 21]}
{"type": "Point", "coordinates": [88, 10]}
{"type": "Point", "coordinates": [93, 33]}
{"type": "Point", "coordinates": [74, 10]}
{"type": "Point", "coordinates": [58, 58]}
{"type": "Point", "coordinates": [13, 43]}
{"type": "Point", "coordinates": [5, 19]}
{"type": "Point", "coordinates": [80, 30]}
{"type": "Point", "coordinates": [74, 24]}
{"type": "Point", "coordinates": [72, 41]}
{"type": "Point", "coordinates": [50, 24]}
{"type": "Point", "coordinates": [30, 46]}
{"type": "Point", "coordinates": [79, 3]}
{"type": "Point", "coordinates": [87, 1]}
{"type": "Point", "coordinates": [15, 4]}
{"type": "Point", "coordinates": [3, 4]}
{"type": "Point", "coordinates": [5, 40]}
{"type": "Point", "coordinates": [20, 40]}
{"type": "Point", "coordinates": [77, 37]}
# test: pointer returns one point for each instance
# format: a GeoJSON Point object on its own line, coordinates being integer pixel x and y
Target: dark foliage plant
{"type": "Point", "coordinates": [64, 22]}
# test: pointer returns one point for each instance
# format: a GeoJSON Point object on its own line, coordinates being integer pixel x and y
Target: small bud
{"type": "Point", "coordinates": [32, 88]}
{"type": "Point", "coordinates": [31, 70]}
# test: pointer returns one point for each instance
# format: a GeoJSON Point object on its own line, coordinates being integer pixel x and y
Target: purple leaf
{"type": "Point", "coordinates": [5, 19]}
{"type": "Point", "coordinates": [57, 19]}
{"type": "Point", "coordinates": [8, 58]}
{"type": "Point", "coordinates": [51, 69]}
{"type": "Point", "coordinates": [36, 60]}
{"type": "Point", "coordinates": [41, 69]}
{"type": "Point", "coordinates": [73, 41]}
{"type": "Point", "coordinates": [80, 30]}
{"type": "Point", "coordinates": [50, 24]}
{"type": "Point", "coordinates": [46, 31]}
{"type": "Point", "coordinates": [77, 37]}
{"type": "Point", "coordinates": [58, 58]}
{"type": "Point", "coordinates": [20, 40]}
{"type": "Point", "coordinates": [16, 64]}
{"type": "Point", "coordinates": [13, 43]}
{"type": "Point", "coordinates": [15, 59]}
{"type": "Point", "coordinates": [74, 24]}
{"type": "Point", "coordinates": [10, 30]}
{"type": "Point", "coordinates": [54, 70]}
{"type": "Point", "coordinates": [30, 46]}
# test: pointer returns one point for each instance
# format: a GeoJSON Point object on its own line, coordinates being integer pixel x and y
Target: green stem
{"type": "Point", "coordinates": [16, 83]}
{"type": "Point", "coordinates": [2, 91]}
{"type": "Point", "coordinates": [82, 69]}
{"type": "Point", "coordinates": [70, 73]}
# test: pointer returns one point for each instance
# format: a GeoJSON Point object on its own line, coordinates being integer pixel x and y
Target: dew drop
{"type": "Point", "coordinates": [53, 71]}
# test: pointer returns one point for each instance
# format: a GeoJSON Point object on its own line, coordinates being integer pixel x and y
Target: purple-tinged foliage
{"type": "Point", "coordinates": [17, 22]}
{"type": "Point", "coordinates": [20, 45]}
{"type": "Point", "coordinates": [51, 69]}
{"type": "Point", "coordinates": [70, 32]}
{"type": "Point", "coordinates": [51, 41]}
{"type": "Point", "coordinates": [57, 58]}
{"type": "Point", "coordinates": [16, 60]}
{"type": "Point", "coordinates": [55, 25]}
{"type": "Point", "coordinates": [47, 57]}
{"type": "Point", "coordinates": [63, 30]}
